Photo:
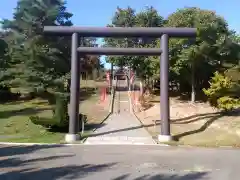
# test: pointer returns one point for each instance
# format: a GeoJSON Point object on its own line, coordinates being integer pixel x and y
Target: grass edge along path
{"type": "Point", "coordinates": [200, 131]}
{"type": "Point", "coordinates": [15, 125]}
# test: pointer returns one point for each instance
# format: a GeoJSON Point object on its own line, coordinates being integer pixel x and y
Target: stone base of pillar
{"type": "Point", "coordinates": [164, 138]}
{"type": "Point", "coordinates": [71, 138]}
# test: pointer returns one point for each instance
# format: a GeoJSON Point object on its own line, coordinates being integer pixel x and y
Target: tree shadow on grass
{"type": "Point", "coordinates": [199, 117]}
{"type": "Point", "coordinates": [65, 129]}
{"type": "Point", "coordinates": [86, 93]}
{"type": "Point", "coordinates": [212, 117]}
{"type": "Point", "coordinates": [177, 137]}
{"type": "Point", "coordinates": [21, 112]}
{"type": "Point", "coordinates": [54, 126]}
{"type": "Point", "coordinates": [195, 118]}
{"type": "Point", "coordinates": [40, 103]}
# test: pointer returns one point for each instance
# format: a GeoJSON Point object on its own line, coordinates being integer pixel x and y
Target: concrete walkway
{"type": "Point", "coordinates": [122, 127]}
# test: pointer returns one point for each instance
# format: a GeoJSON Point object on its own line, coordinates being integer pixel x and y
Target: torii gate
{"type": "Point", "coordinates": [147, 32]}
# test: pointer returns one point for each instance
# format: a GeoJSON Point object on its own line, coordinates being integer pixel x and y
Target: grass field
{"type": "Point", "coordinates": [15, 125]}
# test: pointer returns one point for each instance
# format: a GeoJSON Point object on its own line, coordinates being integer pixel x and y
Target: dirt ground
{"type": "Point", "coordinates": [95, 109]}
{"type": "Point", "coordinates": [196, 124]}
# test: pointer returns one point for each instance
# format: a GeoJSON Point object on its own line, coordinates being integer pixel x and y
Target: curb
{"type": "Point", "coordinates": [81, 144]}
{"type": "Point", "coordinates": [40, 144]}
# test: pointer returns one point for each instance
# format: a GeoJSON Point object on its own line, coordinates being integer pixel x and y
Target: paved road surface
{"type": "Point", "coordinates": [122, 127]}
{"type": "Point", "coordinates": [118, 162]}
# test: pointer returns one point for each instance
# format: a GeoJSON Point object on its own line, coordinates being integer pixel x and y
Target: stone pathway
{"type": "Point", "coordinates": [122, 127]}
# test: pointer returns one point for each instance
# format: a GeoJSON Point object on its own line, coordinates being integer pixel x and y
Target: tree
{"type": "Point", "coordinates": [149, 17]}
{"type": "Point", "coordinates": [41, 63]}
{"type": "Point", "coordinates": [5, 91]}
{"type": "Point", "coordinates": [121, 18]}
{"type": "Point", "coordinates": [223, 92]}
{"type": "Point", "coordinates": [44, 61]}
{"type": "Point", "coordinates": [147, 67]}
{"type": "Point", "coordinates": [4, 63]}
{"type": "Point", "coordinates": [188, 56]}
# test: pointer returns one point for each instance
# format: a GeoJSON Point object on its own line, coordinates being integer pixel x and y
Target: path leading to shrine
{"type": "Point", "coordinates": [122, 127]}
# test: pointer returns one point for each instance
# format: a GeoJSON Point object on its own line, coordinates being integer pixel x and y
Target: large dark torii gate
{"type": "Point", "coordinates": [151, 32]}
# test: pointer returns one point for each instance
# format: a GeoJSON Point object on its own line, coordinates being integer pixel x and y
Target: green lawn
{"type": "Point", "coordinates": [15, 125]}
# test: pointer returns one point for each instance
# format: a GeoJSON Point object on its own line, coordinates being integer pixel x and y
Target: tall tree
{"type": "Point", "coordinates": [121, 18]}
{"type": "Point", "coordinates": [147, 67]}
{"type": "Point", "coordinates": [41, 63]}
{"type": "Point", "coordinates": [189, 56]}
{"type": "Point", "coordinates": [149, 17]}
{"type": "Point", "coordinates": [4, 61]}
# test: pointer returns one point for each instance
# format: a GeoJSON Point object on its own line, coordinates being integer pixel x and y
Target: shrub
{"type": "Point", "coordinates": [60, 120]}
{"type": "Point", "coordinates": [7, 95]}
{"type": "Point", "coordinates": [60, 114]}
{"type": "Point", "coordinates": [228, 103]}
{"type": "Point", "coordinates": [60, 117]}
{"type": "Point", "coordinates": [233, 73]}
{"type": "Point", "coordinates": [221, 93]}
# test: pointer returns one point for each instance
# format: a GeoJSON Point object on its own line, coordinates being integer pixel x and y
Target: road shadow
{"type": "Point", "coordinates": [19, 150]}
{"type": "Point", "coordinates": [190, 176]}
{"type": "Point", "coordinates": [17, 162]}
{"type": "Point", "coordinates": [18, 168]}
{"type": "Point", "coordinates": [85, 170]}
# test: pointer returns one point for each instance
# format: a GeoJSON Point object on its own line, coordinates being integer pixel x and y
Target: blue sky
{"type": "Point", "coordinates": [100, 12]}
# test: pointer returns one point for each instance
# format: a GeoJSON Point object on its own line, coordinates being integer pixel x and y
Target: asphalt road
{"type": "Point", "coordinates": [117, 162]}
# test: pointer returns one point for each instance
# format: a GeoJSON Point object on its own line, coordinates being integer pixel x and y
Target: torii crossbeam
{"type": "Point", "coordinates": [147, 32]}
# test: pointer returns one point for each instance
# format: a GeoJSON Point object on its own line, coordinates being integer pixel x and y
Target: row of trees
{"type": "Point", "coordinates": [38, 64]}
{"type": "Point", "coordinates": [216, 48]}
{"type": "Point", "coordinates": [41, 64]}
